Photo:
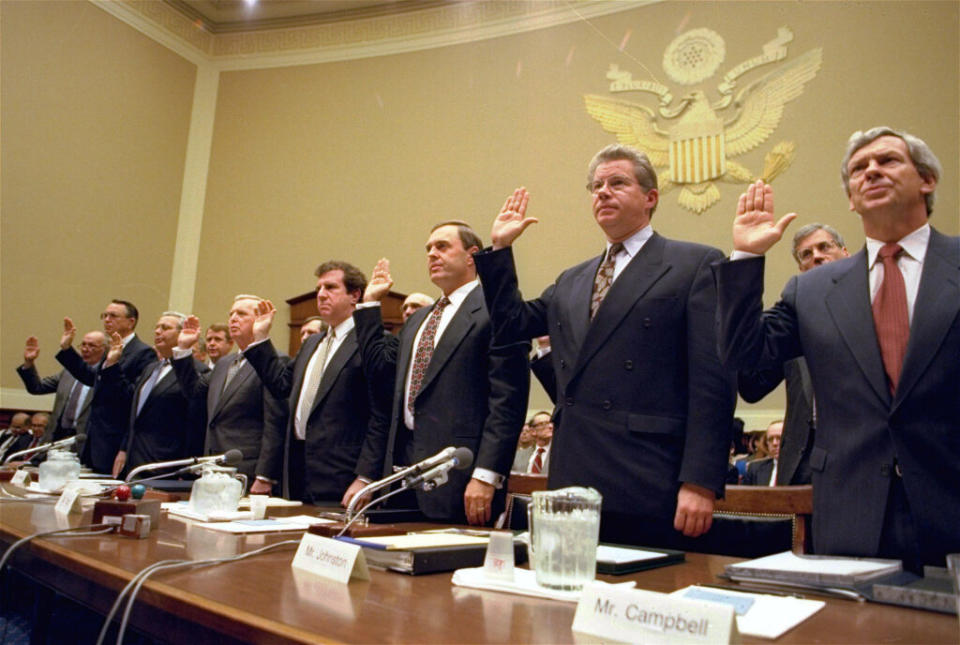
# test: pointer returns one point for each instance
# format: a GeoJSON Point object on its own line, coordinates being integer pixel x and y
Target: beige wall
{"type": "Point", "coordinates": [95, 121]}
{"type": "Point", "coordinates": [355, 160]}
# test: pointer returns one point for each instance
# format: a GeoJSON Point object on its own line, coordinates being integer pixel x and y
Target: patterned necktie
{"type": "Point", "coordinates": [537, 467]}
{"type": "Point", "coordinates": [890, 316]}
{"type": "Point", "coordinates": [601, 284]}
{"type": "Point", "coordinates": [421, 358]}
{"type": "Point", "coordinates": [311, 384]}
{"type": "Point", "coordinates": [149, 385]}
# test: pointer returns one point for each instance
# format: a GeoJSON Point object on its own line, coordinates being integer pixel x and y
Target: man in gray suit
{"type": "Point", "coordinates": [880, 331]}
{"type": "Point", "coordinates": [644, 408]}
{"type": "Point", "coordinates": [813, 245]}
{"type": "Point", "coordinates": [241, 412]}
{"type": "Point", "coordinates": [71, 405]}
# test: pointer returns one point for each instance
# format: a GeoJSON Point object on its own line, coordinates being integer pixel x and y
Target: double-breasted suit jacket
{"type": "Point", "coordinates": [862, 430]}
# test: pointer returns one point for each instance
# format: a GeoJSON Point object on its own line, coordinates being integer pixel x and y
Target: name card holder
{"type": "Point", "coordinates": [614, 614]}
{"type": "Point", "coordinates": [69, 501]}
{"type": "Point", "coordinates": [332, 559]}
{"type": "Point", "coordinates": [20, 478]}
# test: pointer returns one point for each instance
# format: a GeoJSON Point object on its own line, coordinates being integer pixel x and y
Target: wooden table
{"type": "Point", "coordinates": [263, 600]}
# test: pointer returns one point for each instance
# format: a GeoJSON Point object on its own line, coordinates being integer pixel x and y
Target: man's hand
{"type": "Point", "coordinates": [260, 487]}
{"type": "Point", "coordinates": [512, 220]}
{"type": "Point", "coordinates": [543, 342]}
{"type": "Point", "coordinates": [119, 462]}
{"type": "Point", "coordinates": [261, 326]}
{"type": "Point", "coordinates": [114, 351]}
{"type": "Point", "coordinates": [754, 230]}
{"type": "Point", "coordinates": [31, 351]}
{"type": "Point", "coordinates": [380, 282]}
{"type": "Point", "coordinates": [477, 500]}
{"type": "Point", "coordinates": [189, 333]}
{"type": "Point", "coordinates": [353, 490]}
{"type": "Point", "coordinates": [694, 510]}
{"type": "Point", "coordinates": [69, 331]}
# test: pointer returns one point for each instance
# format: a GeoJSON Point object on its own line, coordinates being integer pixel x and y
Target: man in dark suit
{"type": "Point", "coordinates": [452, 387]}
{"type": "Point", "coordinates": [329, 401]}
{"type": "Point", "coordinates": [881, 335]}
{"type": "Point", "coordinates": [19, 427]}
{"type": "Point", "coordinates": [163, 423]}
{"type": "Point", "coordinates": [109, 417]}
{"type": "Point", "coordinates": [813, 245]}
{"type": "Point", "coordinates": [241, 412]}
{"type": "Point", "coordinates": [644, 408]}
{"type": "Point", "coordinates": [765, 472]}
{"type": "Point", "coordinates": [71, 405]}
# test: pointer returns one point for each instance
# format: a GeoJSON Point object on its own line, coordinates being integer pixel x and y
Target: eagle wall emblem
{"type": "Point", "coordinates": [691, 141]}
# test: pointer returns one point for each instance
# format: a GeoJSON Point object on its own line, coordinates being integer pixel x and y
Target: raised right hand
{"type": "Point", "coordinates": [512, 219]}
{"type": "Point", "coordinates": [380, 282]}
{"type": "Point", "coordinates": [31, 351]}
{"type": "Point", "coordinates": [115, 350]}
{"type": "Point", "coordinates": [261, 326]}
{"type": "Point", "coordinates": [754, 230]}
{"type": "Point", "coordinates": [189, 333]}
{"type": "Point", "coordinates": [69, 331]}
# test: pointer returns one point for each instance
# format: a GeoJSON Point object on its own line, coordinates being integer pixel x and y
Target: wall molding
{"type": "Point", "coordinates": [12, 398]}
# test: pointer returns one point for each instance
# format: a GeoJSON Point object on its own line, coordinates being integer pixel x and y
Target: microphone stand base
{"type": "Point", "coordinates": [107, 511]}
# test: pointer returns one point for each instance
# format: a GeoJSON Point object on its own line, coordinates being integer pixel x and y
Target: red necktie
{"type": "Point", "coordinates": [890, 315]}
{"type": "Point", "coordinates": [537, 466]}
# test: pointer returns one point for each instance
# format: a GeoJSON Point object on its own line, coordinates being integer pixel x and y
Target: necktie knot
{"type": "Point", "coordinates": [614, 251]}
{"type": "Point", "coordinates": [890, 250]}
{"type": "Point", "coordinates": [443, 302]}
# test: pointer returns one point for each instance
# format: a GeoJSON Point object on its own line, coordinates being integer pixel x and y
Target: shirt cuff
{"type": "Point", "coordinates": [179, 352]}
{"type": "Point", "coordinates": [257, 342]}
{"type": "Point", "coordinates": [489, 477]}
{"type": "Point", "coordinates": [743, 255]}
{"type": "Point", "coordinates": [266, 480]}
{"type": "Point", "coordinates": [541, 352]}
{"type": "Point", "coordinates": [367, 305]}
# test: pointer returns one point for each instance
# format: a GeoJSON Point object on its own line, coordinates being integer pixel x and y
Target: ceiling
{"type": "Point", "coordinates": [224, 16]}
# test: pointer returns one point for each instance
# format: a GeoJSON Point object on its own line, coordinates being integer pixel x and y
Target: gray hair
{"type": "Point", "coordinates": [175, 314]}
{"type": "Point", "coordinates": [921, 155]}
{"type": "Point", "coordinates": [104, 338]}
{"type": "Point", "coordinates": [642, 168]}
{"type": "Point", "coordinates": [247, 296]}
{"type": "Point", "coordinates": [806, 231]}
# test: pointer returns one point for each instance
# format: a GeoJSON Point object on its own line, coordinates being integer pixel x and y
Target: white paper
{"type": "Point", "coordinates": [769, 616]}
{"type": "Point", "coordinates": [524, 583]}
{"type": "Point", "coordinates": [619, 555]}
{"type": "Point", "coordinates": [789, 562]}
{"type": "Point", "coordinates": [258, 526]}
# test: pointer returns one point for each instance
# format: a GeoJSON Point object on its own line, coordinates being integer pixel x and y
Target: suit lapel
{"type": "Point", "coordinates": [575, 314]}
{"type": "Point", "coordinates": [458, 328]}
{"type": "Point", "coordinates": [335, 365]}
{"type": "Point", "coordinates": [300, 368]}
{"type": "Point", "coordinates": [849, 305]}
{"type": "Point", "coordinates": [936, 307]}
{"type": "Point", "coordinates": [215, 388]}
{"type": "Point", "coordinates": [644, 270]}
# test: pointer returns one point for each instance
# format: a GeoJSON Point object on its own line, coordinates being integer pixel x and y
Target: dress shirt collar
{"type": "Point", "coordinates": [126, 339]}
{"type": "Point", "coordinates": [458, 295]}
{"type": "Point", "coordinates": [341, 330]}
{"type": "Point", "coordinates": [635, 242]}
{"type": "Point", "coordinates": [914, 245]}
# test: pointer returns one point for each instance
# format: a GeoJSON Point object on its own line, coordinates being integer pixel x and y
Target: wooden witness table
{"type": "Point", "coordinates": [261, 599]}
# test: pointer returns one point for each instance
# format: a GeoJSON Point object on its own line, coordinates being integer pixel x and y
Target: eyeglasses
{"type": "Point", "coordinates": [110, 314]}
{"type": "Point", "coordinates": [824, 247]}
{"type": "Point", "coordinates": [615, 182]}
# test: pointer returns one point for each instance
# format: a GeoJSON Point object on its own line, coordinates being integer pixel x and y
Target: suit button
{"type": "Point", "coordinates": [563, 363]}
{"type": "Point", "coordinates": [607, 405]}
{"type": "Point", "coordinates": [569, 403]}
{"type": "Point", "coordinates": [628, 365]}
{"type": "Point", "coordinates": [647, 322]}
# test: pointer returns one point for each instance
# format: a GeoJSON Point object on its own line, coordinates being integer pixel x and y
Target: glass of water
{"type": "Point", "coordinates": [564, 530]}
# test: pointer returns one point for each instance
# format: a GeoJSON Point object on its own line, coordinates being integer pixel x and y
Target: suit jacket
{"type": "Point", "coordinates": [244, 416]}
{"type": "Point", "coordinates": [61, 383]}
{"type": "Point", "coordinates": [798, 425]}
{"type": "Point", "coordinates": [758, 472]}
{"type": "Point", "coordinates": [108, 423]}
{"type": "Point", "coordinates": [338, 422]}
{"type": "Point", "coordinates": [169, 425]}
{"type": "Point", "coordinates": [643, 404]}
{"type": "Point", "coordinates": [473, 395]}
{"type": "Point", "coordinates": [825, 316]}
{"type": "Point", "coordinates": [542, 368]}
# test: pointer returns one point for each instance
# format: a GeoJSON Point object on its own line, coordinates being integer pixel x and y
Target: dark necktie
{"type": "Point", "coordinates": [421, 358]}
{"type": "Point", "coordinates": [149, 385]}
{"type": "Point", "coordinates": [73, 403]}
{"type": "Point", "coordinates": [890, 316]}
{"type": "Point", "coordinates": [601, 284]}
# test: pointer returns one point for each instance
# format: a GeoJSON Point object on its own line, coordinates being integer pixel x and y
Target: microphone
{"type": "Point", "coordinates": [229, 458]}
{"type": "Point", "coordinates": [47, 446]}
{"type": "Point", "coordinates": [437, 476]}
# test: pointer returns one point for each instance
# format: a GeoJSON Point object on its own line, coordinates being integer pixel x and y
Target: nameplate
{"type": "Point", "coordinates": [333, 559]}
{"type": "Point", "coordinates": [20, 478]}
{"type": "Point", "coordinates": [638, 616]}
{"type": "Point", "coordinates": [69, 501]}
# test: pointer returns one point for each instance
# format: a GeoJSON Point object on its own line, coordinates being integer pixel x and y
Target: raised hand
{"type": "Point", "coordinates": [69, 331]}
{"type": "Point", "coordinates": [380, 282]}
{"type": "Point", "coordinates": [115, 350]}
{"type": "Point", "coordinates": [754, 229]}
{"type": "Point", "coordinates": [261, 326]}
{"type": "Point", "coordinates": [512, 219]}
{"type": "Point", "coordinates": [189, 333]}
{"type": "Point", "coordinates": [31, 351]}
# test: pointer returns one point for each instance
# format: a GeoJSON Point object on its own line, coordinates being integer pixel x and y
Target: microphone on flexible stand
{"type": "Point", "coordinates": [47, 446]}
{"type": "Point", "coordinates": [229, 458]}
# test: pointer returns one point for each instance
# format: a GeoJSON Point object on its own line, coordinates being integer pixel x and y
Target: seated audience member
{"type": "Point", "coordinates": [218, 342]}
{"type": "Point", "coordinates": [71, 405]}
{"type": "Point", "coordinates": [880, 332]}
{"type": "Point", "coordinates": [813, 245]}
{"type": "Point", "coordinates": [542, 427]}
{"type": "Point", "coordinates": [164, 423]}
{"type": "Point", "coordinates": [19, 426]}
{"type": "Point", "coordinates": [763, 472]}
{"type": "Point", "coordinates": [199, 352]}
{"type": "Point", "coordinates": [413, 302]}
{"type": "Point", "coordinates": [312, 325]}
{"type": "Point", "coordinates": [241, 414]}
{"type": "Point", "coordinates": [525, 445]}
{"type": "Point", "coordinates": [330, 406]}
